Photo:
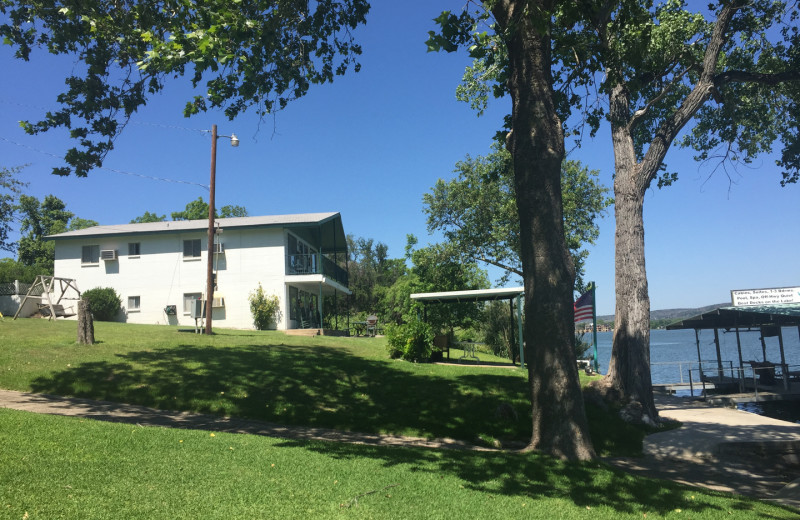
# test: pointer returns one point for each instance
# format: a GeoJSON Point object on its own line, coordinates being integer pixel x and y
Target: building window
{"type": "Point", "coordinates": [133, 303]}
{"type": "Point", "coordinates": [90, 255]}
{"type": "Point", "coordinates": [191, 248]}
{"type": "Point", "coordinates": [188, 299]}
{"type": "Point", "coordinates": [134, 248]}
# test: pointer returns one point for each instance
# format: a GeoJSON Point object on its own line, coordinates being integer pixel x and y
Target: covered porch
{"type": "Point", "coordinates": [318, 248]}
{"type": "Point", "coordinates": [306, 296]}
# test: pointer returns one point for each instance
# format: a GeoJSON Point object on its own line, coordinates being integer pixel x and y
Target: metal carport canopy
{"type": "Point", "coordinates": [479, 295]}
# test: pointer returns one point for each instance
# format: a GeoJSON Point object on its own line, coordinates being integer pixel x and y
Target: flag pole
{"type": "Point", "coordinates": [594, 326]}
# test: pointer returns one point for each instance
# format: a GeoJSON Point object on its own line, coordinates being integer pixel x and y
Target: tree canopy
{"type": "Point", "coordinates": [260, 53]}
{"type": "Point", "coordinates": [77, 223]}
{"type": "Point", "coordinates": [648, 69]}
{"type": "Point", "coordinates": [477, 211]}
{"type": "Point", "coordinates": [658, 51]}
{"type": "Point", "coordinates": [439, 268]}
{"type": "Point", "coordinates": [198, 210]}
{"type": "Point", "coordinates": [39, 219]}
{"type": "Point", "coordinates": [734, 71]}
{"type": "Point", "coordinates": [149, 217]}
{"type": "Point", "coordinates": [10, 191]}
{"type": "Point", "coordinates": [370, 273]}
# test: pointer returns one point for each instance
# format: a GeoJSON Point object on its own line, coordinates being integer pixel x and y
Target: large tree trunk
{"type": "Point", "coordinates": [629, 368]}
{"type": "Point", "coordinates": [628, 380]}
{"type": "Point", "coordinates": [536, 143]}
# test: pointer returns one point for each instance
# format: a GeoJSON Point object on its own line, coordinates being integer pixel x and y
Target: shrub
{"type": "Point", "coordinates": [412, 341]}
{"type": "Point", "coordinates": [582, 347]}
{"type": "Point", "coordinates": [499, 331]}
{"type": "Point", "coordinates": [104, 303]}
{"type": "Point", "coordinates": [264, 308]}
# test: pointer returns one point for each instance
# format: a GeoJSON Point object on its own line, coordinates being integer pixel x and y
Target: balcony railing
{"type": "Point", "coordinates": [309, 264]}
{"type": "Point", "coordinates": [330, 268]}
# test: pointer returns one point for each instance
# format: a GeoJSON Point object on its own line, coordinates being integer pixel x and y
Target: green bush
{"type": "Point", "coordinates": [499, 331]}
{"type": "Point", "coordinates": [582, 347]}
{"type": "Point", "coordinates": [412, 341]}
{"type": "Point", "coordinates": [104, 303]}
{"type": "Point", "coordinates": [264, 308]}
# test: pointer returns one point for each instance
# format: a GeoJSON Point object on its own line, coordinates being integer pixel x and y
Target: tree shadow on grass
{"type": "Point", "coordinates": [329, 387]}
{"type": "Point", "coordinates": [537, 476]}
{"type": "Point", "coordinates": [311, 386]}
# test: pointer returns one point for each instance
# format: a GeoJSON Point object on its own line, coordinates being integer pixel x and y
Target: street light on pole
{"type": "Point", "coordinates": [211, 212]}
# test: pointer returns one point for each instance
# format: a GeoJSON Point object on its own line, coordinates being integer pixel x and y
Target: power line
{"type": "Point", "coordinates": [113, 170]}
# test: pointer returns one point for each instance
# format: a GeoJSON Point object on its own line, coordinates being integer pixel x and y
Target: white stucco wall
{"type": "Point", "coordinates": [160, 276]}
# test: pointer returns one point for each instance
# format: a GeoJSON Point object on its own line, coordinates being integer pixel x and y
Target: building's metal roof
{"type": "Point", "coordinates": [334, 239]}
{"type": "Point", "coordinates": [198, 225]}
{"type": "Point", "coordinates": [480, 295]}
{"type": "Point", "coordinates": [743, 317]}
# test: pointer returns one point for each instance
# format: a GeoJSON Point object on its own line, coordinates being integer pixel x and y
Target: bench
{"type": "Point", "coordinates": [59, 310]}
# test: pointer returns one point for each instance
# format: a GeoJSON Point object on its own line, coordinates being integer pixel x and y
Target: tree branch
{"type": "Point", "coordinates": [638, 116]}
{"type": "Point", "coordinates": [743, 76]}
{"type": "Point", "coordinates": [495, 263]}
{"type": "Point", "coordinates": [691, 104]}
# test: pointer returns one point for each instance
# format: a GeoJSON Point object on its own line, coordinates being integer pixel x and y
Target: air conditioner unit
{"type": "Point", "coordinates": [198, 309]}
{"type": "Point", "coordinates": [217, 301]}
{"type": "Point", "coordinates": [108, 254]}
{"type": "Point", "coordinates": [219, 247]}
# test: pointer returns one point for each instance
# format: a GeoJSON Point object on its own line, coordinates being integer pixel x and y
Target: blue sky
{"type": "Point", "coordinates": [370, 144]}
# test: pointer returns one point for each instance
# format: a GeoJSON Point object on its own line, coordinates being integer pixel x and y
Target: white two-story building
{"type": "Point", "coordinates": [159, 268]}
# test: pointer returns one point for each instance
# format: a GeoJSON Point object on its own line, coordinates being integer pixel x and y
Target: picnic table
{"type": "Point", "coordinates": [469, 349]}
{"type": "Point", "coordinates": [358, 327]}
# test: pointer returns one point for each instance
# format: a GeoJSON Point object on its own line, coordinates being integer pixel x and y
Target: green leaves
{"type": "Point", "coordinates": [456, 31]}
{"type": "Point", "coordinates": [265, 309]}
{"type": "Point", "coordinates": [10, 191]}
{"type": "Point", "coordinates": [654, 52]}
{"type": "Point", "coordinates": [477, 211]}
{"type": "Point", "coordinates": [259, 54]}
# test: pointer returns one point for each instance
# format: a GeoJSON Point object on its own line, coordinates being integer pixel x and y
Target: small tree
{"type": "Point", "coordinates": [104, 303]}
{"type": "Point", "coordinates": [10, 190]}
{"type": "Point", "coordinates": [264, 308]}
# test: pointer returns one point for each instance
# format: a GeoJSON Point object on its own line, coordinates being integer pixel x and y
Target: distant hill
{"type": "Point", "coordinates": [674, 314]}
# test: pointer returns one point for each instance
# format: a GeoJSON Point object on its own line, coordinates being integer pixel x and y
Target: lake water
{"type": "Point", "coordinates": [668, 347]}
{"type": "Point", "coordinates": [673, 352]}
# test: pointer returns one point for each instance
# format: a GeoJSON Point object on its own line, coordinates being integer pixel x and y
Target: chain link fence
{"type": "Point", "coordinates": [18, 288]}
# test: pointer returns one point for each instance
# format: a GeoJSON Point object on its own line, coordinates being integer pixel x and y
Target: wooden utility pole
{"type": "Point", "coordinates": [210, 266]}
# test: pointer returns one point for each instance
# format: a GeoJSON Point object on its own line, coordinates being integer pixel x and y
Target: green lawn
{"type": "Point", "coordinates": [343, 383]}
{"type": "Point", "coordinates": [57, 467]}
{"type": "Point", "coordinates": [63, 467]}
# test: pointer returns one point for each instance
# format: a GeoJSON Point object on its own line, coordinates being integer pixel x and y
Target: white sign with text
{"type": "Point", "coordinates": [741, 298]}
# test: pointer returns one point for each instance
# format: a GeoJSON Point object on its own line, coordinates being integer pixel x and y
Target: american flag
{"type": "Point", "coordinates": [584, 306]}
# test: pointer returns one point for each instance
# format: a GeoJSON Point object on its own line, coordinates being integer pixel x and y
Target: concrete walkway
{"type": "Point", "coordinates": [716, 448]}
{"type": "Point", "coordinates": [723, 449]}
